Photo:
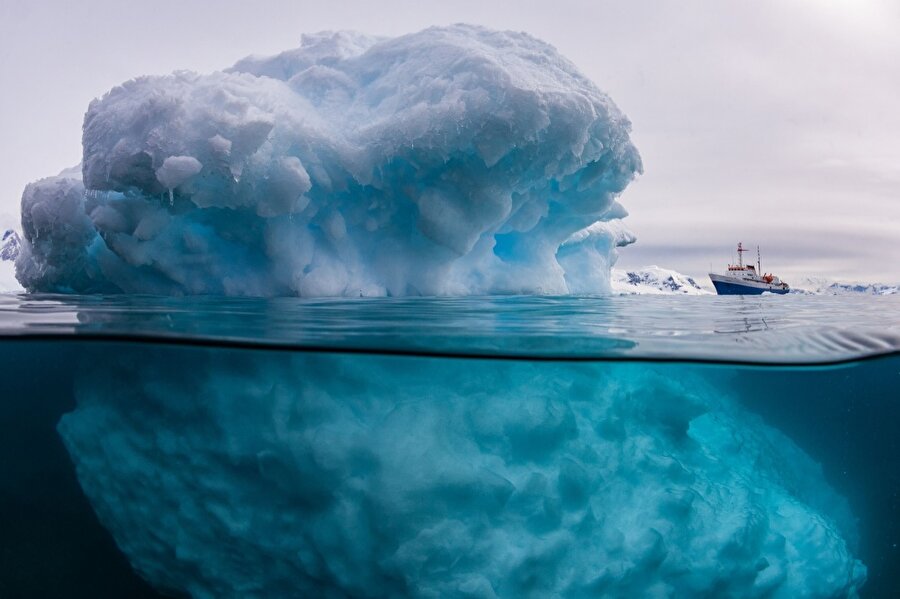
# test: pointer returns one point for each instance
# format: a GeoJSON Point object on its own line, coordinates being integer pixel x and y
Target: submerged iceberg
{"type": "Point", "coordinates": [225, 473]}
{"type": "Point", "coordinates": [456, 160]}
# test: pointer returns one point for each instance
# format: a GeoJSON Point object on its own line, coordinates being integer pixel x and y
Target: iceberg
{"type": "Point", "coordinates": [456, 160]}
{"type": "Point", "coordinates": [227, 473]}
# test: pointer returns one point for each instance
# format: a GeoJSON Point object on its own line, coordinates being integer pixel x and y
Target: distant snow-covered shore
{"type": "Point", "coordinates": [654, 280]}
{"type": "Point", "coordinates": [649, 280]}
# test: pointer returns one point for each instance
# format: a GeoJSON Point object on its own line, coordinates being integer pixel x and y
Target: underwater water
{"type": "Point", "coordinates": [478, 447]}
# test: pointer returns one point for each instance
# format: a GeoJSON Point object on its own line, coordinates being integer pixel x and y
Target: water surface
{"type": "Point", "coordinates": [763, 329]}
{"type": "Point", "coordinates": [509, 446]}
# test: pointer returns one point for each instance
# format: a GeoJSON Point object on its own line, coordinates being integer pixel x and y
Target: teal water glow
{"type": "Point", "coordinates": [747, 329]}
{"type": "Point", "coordinates": [623, 446]}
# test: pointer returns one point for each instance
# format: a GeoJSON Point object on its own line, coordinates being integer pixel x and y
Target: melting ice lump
{"type": "Point", "coordinates": [331, 476]}
{"type": "Point", "coordinates": [455, 160]}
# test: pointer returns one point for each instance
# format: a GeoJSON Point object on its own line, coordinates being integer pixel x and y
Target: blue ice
{"type": "Point", "coordinates": [453, 161]}
{"type": "Point", "coordinates": [249, 474]}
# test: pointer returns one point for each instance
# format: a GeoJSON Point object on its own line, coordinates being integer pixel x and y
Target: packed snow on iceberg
{"type": "Point", "coordinates": [456, 160]}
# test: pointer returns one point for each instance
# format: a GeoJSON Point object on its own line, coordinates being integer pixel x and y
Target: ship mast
{"type": "Point", "coordinates": [758, 261]}
{"type": "Point", "coordinates": [741, 251]}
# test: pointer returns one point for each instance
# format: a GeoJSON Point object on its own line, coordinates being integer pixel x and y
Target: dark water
{"type": "Point", "coordinates": [848, 419]}
{"type": "Point", "coordinates": [260, 449]}
{"type": "Point", "coordinates": [52, 544]}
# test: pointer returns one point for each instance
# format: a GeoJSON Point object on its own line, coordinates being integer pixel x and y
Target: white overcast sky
{"type": "Point", "coordinates": [772, 122]}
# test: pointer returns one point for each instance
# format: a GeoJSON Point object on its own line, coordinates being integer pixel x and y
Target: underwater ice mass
{"type": "Point", "coordinates": [453, 161]}
{"type": "Point", "coordinates": [230, 474]}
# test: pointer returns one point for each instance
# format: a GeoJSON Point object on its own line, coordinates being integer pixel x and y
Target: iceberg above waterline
{"type": "Point", "coordinates": [453, 161]}
{"type": "Point", "coordinates": [235, 474]}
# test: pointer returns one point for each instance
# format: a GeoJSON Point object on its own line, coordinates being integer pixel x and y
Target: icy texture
{"type": "Point", "coordinates": [456, 160]}
{"type": "Point", "coordinates": [589, 254]}
{"type": "Point", "coordinates": [274, 475]}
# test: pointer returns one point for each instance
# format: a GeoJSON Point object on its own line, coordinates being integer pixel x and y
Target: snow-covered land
{"type": "Point", "coordinates": [653, 280]}
{"type": "Point", "coordinates": [456, 160]}
{"type": "Point", "coordinates": [9, 251]}
{"type": "Point", "coordinates": [815, 286]}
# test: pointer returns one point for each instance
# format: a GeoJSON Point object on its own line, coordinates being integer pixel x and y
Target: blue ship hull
{"type": "Point", "coordinates": [738, 289]}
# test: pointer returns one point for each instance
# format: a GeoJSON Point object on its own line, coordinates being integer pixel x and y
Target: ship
{"type": "Point", "coordinates": [745, 279]}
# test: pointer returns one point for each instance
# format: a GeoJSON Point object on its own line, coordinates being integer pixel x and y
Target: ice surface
{"type": "Point", "coordinates": [263, 475]}
{"type": "Point", "coordinates": [456, 160]}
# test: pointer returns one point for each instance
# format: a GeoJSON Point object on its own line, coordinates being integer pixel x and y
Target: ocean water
{"type": "Point", "coordinates": [509, 446]}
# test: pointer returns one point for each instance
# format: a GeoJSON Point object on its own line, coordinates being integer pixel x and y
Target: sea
{"type": "Point", "coordinates": [622, 446]}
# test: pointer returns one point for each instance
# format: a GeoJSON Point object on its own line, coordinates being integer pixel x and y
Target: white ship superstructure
{"type": "Point", "coordinates": [744, 279]}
